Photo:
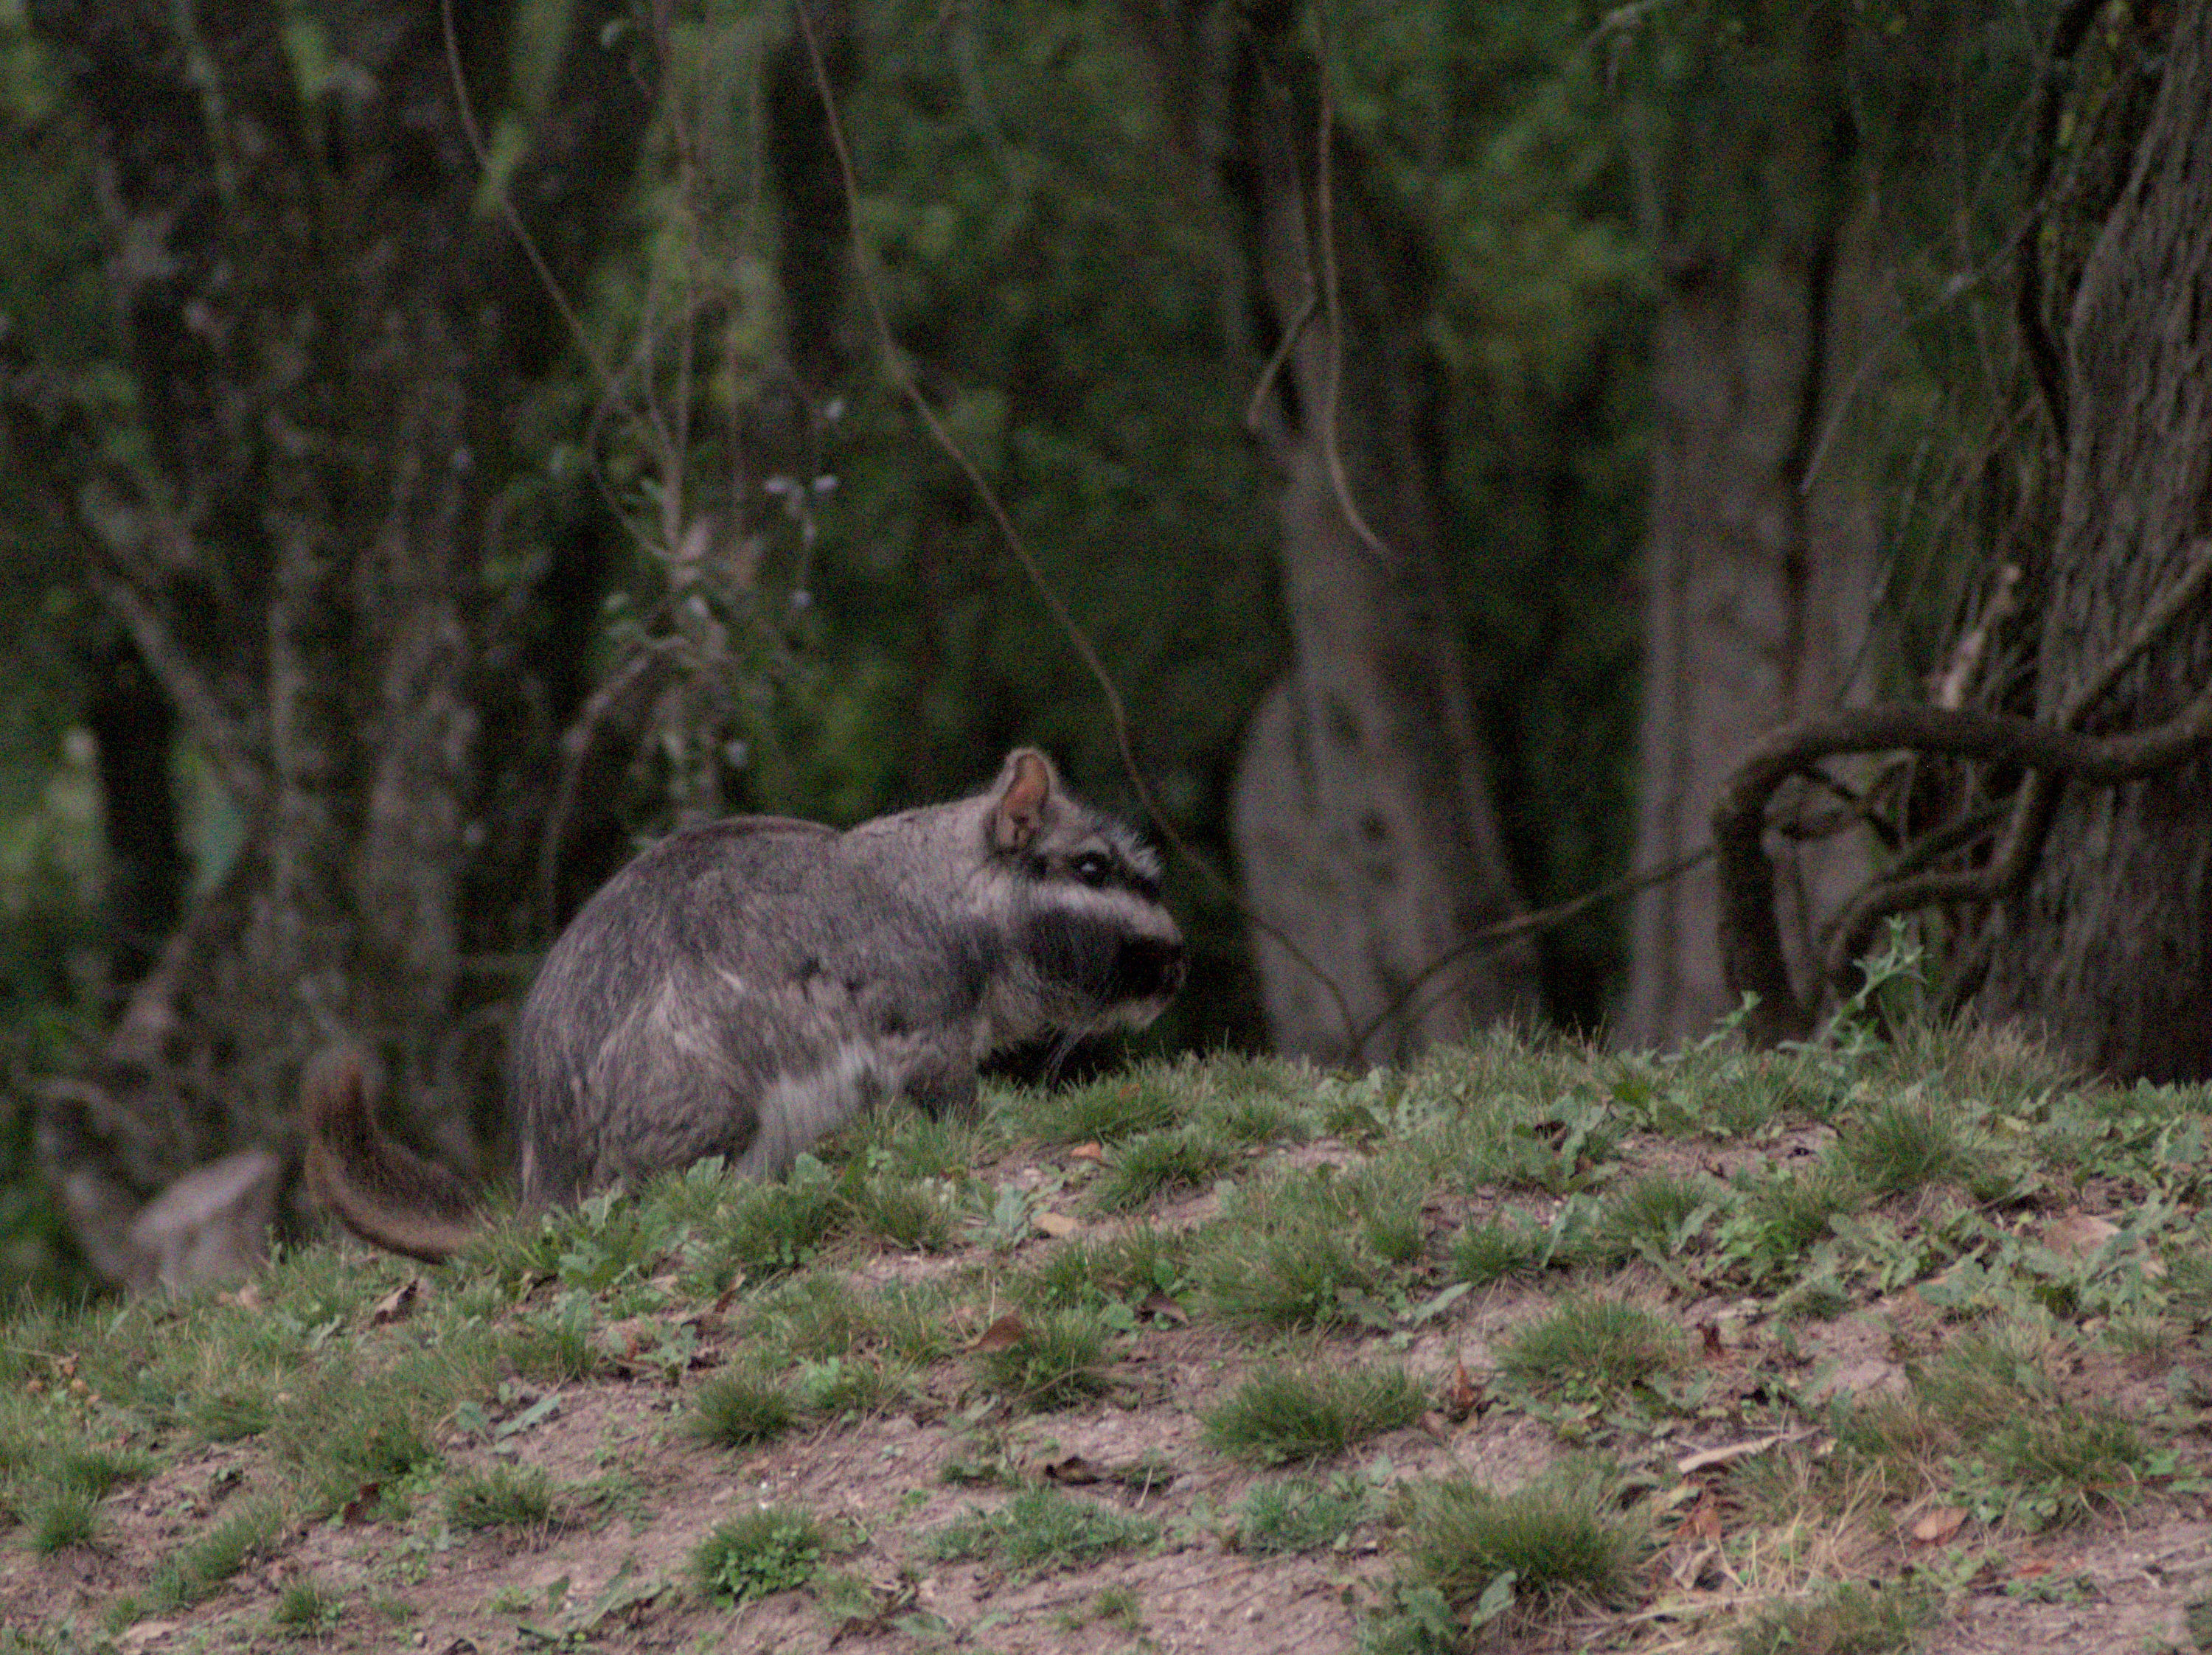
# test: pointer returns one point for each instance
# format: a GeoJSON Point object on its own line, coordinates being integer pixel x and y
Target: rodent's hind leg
{"type": "Point", "coordinates": [942, 1082]}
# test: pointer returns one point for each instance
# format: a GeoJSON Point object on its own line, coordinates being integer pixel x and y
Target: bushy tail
{"type": "Point", "coordinates": [380, 1190]}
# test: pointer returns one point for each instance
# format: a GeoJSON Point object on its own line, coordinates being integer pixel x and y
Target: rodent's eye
{"type": "Point", "coordinates": [1091, 868]}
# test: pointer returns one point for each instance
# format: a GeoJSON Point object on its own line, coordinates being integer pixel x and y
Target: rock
{"type": "Point", "coordinates": [210, 1224]}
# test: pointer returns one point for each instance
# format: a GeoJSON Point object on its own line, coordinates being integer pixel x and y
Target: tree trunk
{"type": "Point", "coordinates": [1362, 814]}
{"type": "Point", "coordinates": [2108, 948]}
{"type": "Point", "coordinates": [1760, 565]}
{"type": "Point", "coordinates": [309, 538]}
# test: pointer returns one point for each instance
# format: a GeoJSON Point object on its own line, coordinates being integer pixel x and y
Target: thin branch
{"type": "Point", "coordinates": [1324, 208]}
{"type": "Point", "coordinates": [1507, 930]}
{"type": "Point", "coordinates": [521, 232]}
{"type": "Point", "coordinates": [244, 777]}
{"type": "Point", "coordinates": [1750, 934]}
{"type": "Point", "coordinates": [1273, 370]}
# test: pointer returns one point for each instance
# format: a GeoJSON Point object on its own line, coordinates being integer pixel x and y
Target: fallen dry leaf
{"type": "Point", "coordinates": [1732, 1451]}
{"type": "Point", "coordinates": [398, 1302]}
{"type": "Point", "coordinates": [1087, 1152]}
{"type": "Point", "coordinates": [1461, 1395]}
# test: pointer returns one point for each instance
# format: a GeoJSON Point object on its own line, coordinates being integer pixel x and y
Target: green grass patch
{"type": "Point", "coordinates": [1085, 1273]}
{"type": "Point", "coordinates": [1501, 1247]}
{"type": "Point", "coordinates": [1786, 1217]}
{"type": "Point", "coordinates": [1284, 1413]}
{"type": "Point", "coordinates": [737, 1409]}
{"type": "Point", "coordinates": [502, 1496]}
{"type": "Point", "coordinates": [1901, 1143]}
{"type": "Point", "coordinates": [1847, 1618]}
{"type": "Point", "coordinates": [1055, 1359]}
{"type": "Point", "coordinates": [1592, 1345]}
{"type": "Point", "coordinates": [843, 1386]}
{"type": "Point", "coordinates": [60, 1518]}
{"type": "Point", "coordinates": [1298, 1514]}
{"type": "Point", "coordinates": [1150, 1098]}
{"type": "Point", "coordinates": [306, 1609]}
{"type": "Point", "coordinates": [1152, 1164]}
{"type": "Point", "coordinates": [920, 1215]}
{"type": "Point", "coordinates": [760, 1554]}
{"type": "Point", "coordinates": [1039, 1531]}
{"type": "Point", "coordinates": [349, 1424]}
{"type": "Point", "coordinates": [759, 1230]}
{"type": "Point", "coordinates": [1653, 1217]}
{"type": "Point", "coordinates": [811, 1316]}
{"type": "Point", "coordinates": [198, 1570]}
{"type": "Point", "coordinates": [1561, 1541]}
{"type": "Point", "coordinates": [1302, 1252]}
{"type": "Point", "coordinates": [555, 1343]}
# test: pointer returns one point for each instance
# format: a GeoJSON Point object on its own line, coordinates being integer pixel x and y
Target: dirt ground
{"type": "Point", "coordinates": [612, 1572]}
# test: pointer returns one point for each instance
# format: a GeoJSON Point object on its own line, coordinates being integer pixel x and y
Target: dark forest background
{"type": "Point", "coordinates": [446, 448]}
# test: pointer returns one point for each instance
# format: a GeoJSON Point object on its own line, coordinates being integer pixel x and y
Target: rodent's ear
{"type": "Point", "coordinates": [1024, 788]}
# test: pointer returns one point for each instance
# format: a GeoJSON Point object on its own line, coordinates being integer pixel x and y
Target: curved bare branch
{"type": "Point", "coordinates": [1750, 939]}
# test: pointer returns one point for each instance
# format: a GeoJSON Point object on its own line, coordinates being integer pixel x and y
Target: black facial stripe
{"type": "Point", "coordinates": [1117, 874]}
{"type": "Point", "coordinates": [1101, 961]}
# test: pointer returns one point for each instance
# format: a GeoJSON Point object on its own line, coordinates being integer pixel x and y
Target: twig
{"type": "Point", "coordinates": [1332, 449]}
{"type": "Point", "coordinates": [521, 232]}
{"type": "Point", "coordinates": [1750, 934]}
{"type": "Point", "coordinates": [1273, 370]}
{"type": "Point", "coordinates": [2033, 805]}
{"type": "Point", "coordinates": [1523, 925]}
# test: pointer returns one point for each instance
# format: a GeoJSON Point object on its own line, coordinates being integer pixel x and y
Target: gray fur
{"type": "Point", "coordinates": [743, 987]}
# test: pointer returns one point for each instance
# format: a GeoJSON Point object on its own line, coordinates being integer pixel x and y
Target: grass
{"type": "Point", "coordinates": [1040, 1530]}
{"type": "Point", "coordinates": [1500, 1246]}
{"type": "Point", "coordinates": [1148, 1099]}
{"type": "Point", "coordinates": [1152, 1164]}
{"type": "Point", "coordinates": [1788, 1215]}
{"type": "Point", "coordinates": [1563, 1539]}
{"type": "Point", "coordinates": [739, 1410]}
{"type": "Point", "coordinates": [1050, 1359]}
{"type": "Point", "coordinates": [1085, 1274]}
{"type": "Point", "coordinates": [1592, 1344]}
{"type": "Point", "coordinates": [917, 1213]}
{"type": "Point", "coordinates": [1283, 1414]}
{"type": "Point", "coordinates": [1301, 1251]}
{"type": "Point", "coordinates": [1902, 1143]}
{"type": "Point", "coordinates": [334, 1391]}
{"type": "Point", "coordinates": [1848, 1618]}
{"type": "Point", "coordinates": [1650, 1215]}
{"type": "Point", "coordinates": [1298, 1514]}
{"type": "Point", "coordinates": [61, 1518]}
{"type": "Point", "coordinates": [348, 1427]}
{"type": "Point", "coordinates": [306, 1609]}
{"type": "Point", "coordinates": [762, 1230]}
{"type": "Point", "coordinates": [764, 1552]}
{"type": "Point", "coordinates": [198, 1570]}
{"type": "Point", "coordinates": [503, 1496]}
